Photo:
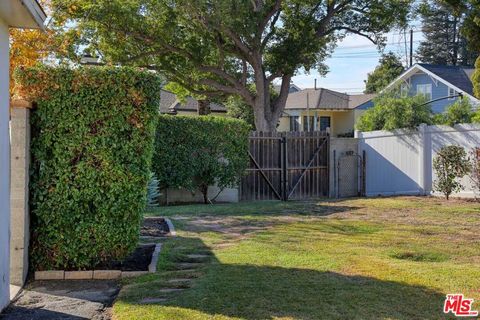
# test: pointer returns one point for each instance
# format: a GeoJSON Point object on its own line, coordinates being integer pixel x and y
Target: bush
{"type": "Point", "coordinates": [391, 112]}
{"type": "Point", "coordinates": [476, 78]}
{"type": "Point", "coordinates": [459, 112]}
{"type": "Point", "coordinates": [92, 143]}
{"type": "Point", "coordinates": [196, 152]}
{"type": "Point", "coordinates": [450, 163]}
{"type": "Point", "coordinates": [475, 172]}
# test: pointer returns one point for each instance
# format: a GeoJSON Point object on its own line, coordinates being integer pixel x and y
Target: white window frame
{"type": "Point", "coordinates": [452, 92]}
{"type": "Point", "coordinates": [426, 90]}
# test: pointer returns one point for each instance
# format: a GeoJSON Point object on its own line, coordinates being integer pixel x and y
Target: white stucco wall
{"type": "Point", "coordinates": [4, 168]}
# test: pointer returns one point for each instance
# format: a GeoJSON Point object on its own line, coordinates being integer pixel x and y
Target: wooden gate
{"type": "Point", "coordinates": [287, 165]}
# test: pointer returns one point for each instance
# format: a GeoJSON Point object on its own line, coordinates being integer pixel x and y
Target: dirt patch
{"type": "Point", "coordinates": [154, 227]}
{"type": "Point", "coordinates": [66, 300]}
{"type": "Point", "coordinates": [138, 260]}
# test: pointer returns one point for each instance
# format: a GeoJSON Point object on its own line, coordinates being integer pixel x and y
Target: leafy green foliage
{"type": "Point", "coordinates": [476, 78]}
{"type": "Point", "coordinates": [237, 108]}
{"type": "Point", "coordinates": [391, 112]}
{"type": "Point", "coordinates": [92, 144]}
{"type": "Point", "coordinates": [450, 164]}
{"type": "Point", "coordinates": [475, 172]}
{"type": "Point", "coordinates": [196, 152]}
{"type": "Point", "coordinates": [390, 67]}
{"type": "Point", "coordinates": [459, 112]}
{"type": "Point", "coordinates": [217, 48]}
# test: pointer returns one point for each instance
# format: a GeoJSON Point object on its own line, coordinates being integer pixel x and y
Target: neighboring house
{"type": "Point", "coordinates": [14, 14]}
{"type": "Point", "coordinates": [319, 109]}
{"type": "Point", "coordinates": [435, 82]}
{"type": "Point", "coordinates": [170, 104]}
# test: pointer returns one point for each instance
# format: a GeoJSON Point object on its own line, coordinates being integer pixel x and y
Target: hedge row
{"type": "Point", "coordinates": [92, 143]}
{"type": "Point", "coordinates": [196, 152]}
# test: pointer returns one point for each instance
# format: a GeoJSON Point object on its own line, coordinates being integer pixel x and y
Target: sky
{"type": "Point", "coordinates": [353, 59]}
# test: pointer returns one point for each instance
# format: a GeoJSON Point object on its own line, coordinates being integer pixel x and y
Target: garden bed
{"type": "Point", "coordinates": [141, 261]}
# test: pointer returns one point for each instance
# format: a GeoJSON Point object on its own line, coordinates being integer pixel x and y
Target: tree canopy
{"type": "Point", "coordinates": [389, 68]}
{"type": "Point", "coordinates": [216, 48]}
{"type": "Point", "coordinates": [442, 22]}
{"type": "Point", "coordinates": [392, 112]}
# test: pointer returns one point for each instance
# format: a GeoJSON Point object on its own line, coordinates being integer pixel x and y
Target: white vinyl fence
{"type": "Point", "coordinates": [400, 162]}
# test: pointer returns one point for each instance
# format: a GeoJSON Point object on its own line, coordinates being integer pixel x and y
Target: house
{"type": "Point", "coordinates": [319, 109]}
{"type": "Point", "coordinates": [13, 14]}
{"type": "Point", "coordinates": [436, 82]}
{"type": "Point", "coordinates": [170, 104]}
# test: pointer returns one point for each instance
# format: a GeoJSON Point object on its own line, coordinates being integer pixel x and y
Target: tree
{"type": "Point", "coordinates": [216, 48]}
{"type": "Point", "coordinates": [443, 44]}
{"type": "Point", "coordinates": [459, 112]}
{"type": "Point", "coordinates": [391, 112]}
{"type": "Point", "coordinates": [237, 108]}
{"type": "Point", "coordinates": [476, 79]}
{"type": "Point", "coordinates": [390, 67]}
{"type": "Point", "coordinates": [450, 164]}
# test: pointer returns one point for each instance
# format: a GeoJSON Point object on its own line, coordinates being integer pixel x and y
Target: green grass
{"type": "Point", "coordinates": [383, 258]}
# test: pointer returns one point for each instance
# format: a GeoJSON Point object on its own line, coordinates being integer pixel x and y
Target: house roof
{"type": "Point", "coordinates": [458, 76]}
{"type": "Point", "coordinates": [26, 14]}
{"type": "Point", "coordinates": [325, 99]}
{"type": "Point", "coordinates": [169, 103]}
{"type": "Point", "coordinates": [293, 88]}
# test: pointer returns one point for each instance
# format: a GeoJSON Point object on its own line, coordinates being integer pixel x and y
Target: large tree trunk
{"type": "Point", "coordinates": [204, 107]}
{"type": "Point", "coordinates": [267, 113]}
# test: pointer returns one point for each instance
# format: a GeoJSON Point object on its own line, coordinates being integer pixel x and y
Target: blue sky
{"type": "Point", "coordinates": [352, 60]}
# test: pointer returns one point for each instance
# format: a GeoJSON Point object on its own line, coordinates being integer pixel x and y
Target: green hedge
{"type": "Point", "coordinates": [92, 144]}
{"type": "Point", "coordinates": [196, 152]}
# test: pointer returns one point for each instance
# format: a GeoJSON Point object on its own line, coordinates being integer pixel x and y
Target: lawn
{"type": "Point", "coordinates": [385, 258]}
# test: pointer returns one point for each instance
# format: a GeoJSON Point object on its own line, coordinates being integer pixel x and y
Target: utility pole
{"type": "Point", "coordinates": [411, 47]}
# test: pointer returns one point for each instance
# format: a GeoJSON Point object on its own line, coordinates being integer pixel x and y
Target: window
{"type": "Point", "coordinates": [324, 123]}
{"type": "Point", "coordinates": [308, 122]}
{"type": "Point", "coordinates": [294, 123]}
{"type": "Point", "coordinates": [425, 90]}
{"type": "Point", "coordinates": [452, 92]}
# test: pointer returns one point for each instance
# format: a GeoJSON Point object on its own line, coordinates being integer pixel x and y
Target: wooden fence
{"type": "Point", "coordinates": [287, 165]}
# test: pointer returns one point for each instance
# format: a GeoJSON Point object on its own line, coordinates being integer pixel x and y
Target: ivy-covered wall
{"type": "Point", "coordinates": [92, 144]}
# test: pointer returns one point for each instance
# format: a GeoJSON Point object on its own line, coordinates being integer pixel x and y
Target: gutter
{"type": "Point", "coordinates": [36, 12]}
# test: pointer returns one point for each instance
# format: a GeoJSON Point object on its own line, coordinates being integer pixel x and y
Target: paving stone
{"type": "Point", "coordinates": [187, 265]}
{"type": "Point", "coordinates": [49, 275]}
{"type": "Point", "coordinates": [79, 275]}
{"type": "Point", "coordinates": [106, 274]}
{"type": "Point", "coordinates": [152, 300]}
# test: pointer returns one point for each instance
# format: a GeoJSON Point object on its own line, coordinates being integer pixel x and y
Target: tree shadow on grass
{"type": "Point", "coordinates": [266, 292]}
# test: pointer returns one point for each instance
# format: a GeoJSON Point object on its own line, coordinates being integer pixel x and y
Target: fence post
{"type": "Point", "coordinates": [425, 168]}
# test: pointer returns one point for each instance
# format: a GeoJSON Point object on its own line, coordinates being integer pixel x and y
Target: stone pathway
{"type": "Point", "coordinates": [65, 300]}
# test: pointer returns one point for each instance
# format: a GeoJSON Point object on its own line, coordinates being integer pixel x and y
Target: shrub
{"type": "Point", "coordinates": [475, 172]}
{"type": "Point", "coordinates": [196, 152]}
{"type": "Point", "coordinates": [476, 78]}
{"type": "Point", "coordinates": [450, 163]}
{"type": "Point", "coordinates": [459, 112]}
{"type": "Point", "coordinates": [92, 143]}
{"type": "Point", "coordinates": [391, 112]}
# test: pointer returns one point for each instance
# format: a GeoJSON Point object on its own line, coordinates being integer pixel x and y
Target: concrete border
{"type": "Point", "coordinates": [152, 267]}
{"type": "Point", "coordinates": [171, 228]}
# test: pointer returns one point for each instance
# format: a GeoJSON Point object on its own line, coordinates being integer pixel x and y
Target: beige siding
{"type": "Point", "coordinates": [195, 113]}
{"type": "Point", "coordinates": [341, 121]}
